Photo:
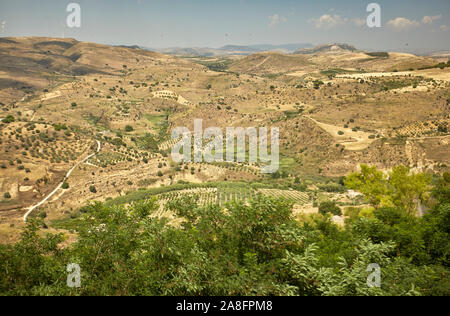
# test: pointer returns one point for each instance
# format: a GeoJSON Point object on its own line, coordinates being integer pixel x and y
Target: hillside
{"type": "Point", "coordinates": [271, 63]}
{"type": "Point", "coordinates": [59, 97]}
{"type": "Point", "coordinates": [329, 56]}
{"type": "Point", "coordinates": [31, 64]}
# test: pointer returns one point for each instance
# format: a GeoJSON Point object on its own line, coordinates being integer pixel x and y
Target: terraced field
{"type": "Point", "coordinates": [205, 196]}
{"type": "Point", "coordinates": [429, 128]}
{"type": "Point", "coordinates": [223, 195]}
{"type": "Point", "coordinates": [294, 196]}
{"type": "Point", "coordinates": [107, 158]}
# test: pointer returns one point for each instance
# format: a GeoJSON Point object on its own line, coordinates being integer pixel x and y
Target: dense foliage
{"type": "Point", "coordinates": [257, 248]}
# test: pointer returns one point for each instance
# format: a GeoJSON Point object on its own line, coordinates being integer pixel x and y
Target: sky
{"type": "Point", "coordinates": [406, 25]}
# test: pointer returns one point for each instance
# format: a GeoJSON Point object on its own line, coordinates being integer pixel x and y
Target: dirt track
{"type": "Point", "coordinates": [32, 208]}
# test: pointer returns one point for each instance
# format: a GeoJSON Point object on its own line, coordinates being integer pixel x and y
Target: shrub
{"type": "Point", "coordinates": [92, 189]}
{"type": "Point", "coordinates": [129, 128]}
{"type": "Point", "coordinates": [7, 195]}
{"type": "Point", "coordinates": [160, 174]}
{"type": "Point", "coordinates": [8, 119]}
{"type": "Point", "coordinates": [65, 185]}
{"type": "Point", "coordinates": [329, 207]}
{"type": "Point", "coordinates": [352, 212]}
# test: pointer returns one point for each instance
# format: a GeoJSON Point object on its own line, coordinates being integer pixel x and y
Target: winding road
{"type": "Point", "coordinates": [32, 208]}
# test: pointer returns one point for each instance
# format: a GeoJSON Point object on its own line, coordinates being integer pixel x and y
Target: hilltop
{"type": "Point", "coordinates": [335, 48]}
{"type": "Point", "coordinates": [32, 63]}
{"type": "Point", "coordinates": [328, 56]}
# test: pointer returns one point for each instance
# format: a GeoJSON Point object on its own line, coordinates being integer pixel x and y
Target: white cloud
{"type": "Point", "coordinates": [445, 28]}
{"type": "Point", "coordinates": [327, 21]}
{"type": "Point", "coordinates": [359, 21]}
{"type": "Point", "coordinates": [430, 19]}
{"type": "Point", "coordinates": [402, 24]}
{"type": "Point", "coordinates": [277, 19]}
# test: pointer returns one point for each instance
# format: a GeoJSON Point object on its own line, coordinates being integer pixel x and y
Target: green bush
{"type": "Point", "coordinates": [8, 119]}
{"type": "Point", "coordinates": [329, 207]}
{"type": "Point", "coordinates": [255, 248]}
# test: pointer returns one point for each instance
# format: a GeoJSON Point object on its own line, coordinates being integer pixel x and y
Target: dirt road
{"type": "Point", "coordinates": [32, 208]}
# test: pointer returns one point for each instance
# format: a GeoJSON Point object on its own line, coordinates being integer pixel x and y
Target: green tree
{"type": "Point", "coordinates": [329, 207]}
{"type": "Point", "coordinates": [401, 188]}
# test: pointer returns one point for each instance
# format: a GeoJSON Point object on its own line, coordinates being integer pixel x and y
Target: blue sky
{"type": "Point", "coordinates": [406, 24]}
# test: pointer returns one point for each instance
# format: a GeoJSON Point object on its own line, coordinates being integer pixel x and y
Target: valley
{"type": "Point", "coordinates": [336, 107]}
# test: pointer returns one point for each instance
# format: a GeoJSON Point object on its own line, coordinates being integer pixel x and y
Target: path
{"type": "Point", "coordinates": [32, 208]}
{"type": "Point", "coordinates": [260, 64]}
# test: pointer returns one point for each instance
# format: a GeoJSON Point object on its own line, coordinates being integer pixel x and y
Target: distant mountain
{"type": "Point", "coordinates": [232, 49]}
{"type": "Point", "coordinates": [129, 46]}
{"type": "Point", "coordinates": [186, 51]}
{"type": "Point", "coordinates": [325, 48]}
{"type": "Point", "coordinates": [288, 48]}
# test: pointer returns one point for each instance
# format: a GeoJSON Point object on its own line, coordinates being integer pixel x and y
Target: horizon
{"type": "Point", "coordinates": [276, 46]}
{"type": "Point", "coordinates": [409, 26]}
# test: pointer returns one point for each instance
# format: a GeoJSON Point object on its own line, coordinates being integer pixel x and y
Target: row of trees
{"type": "Point", "coordinates": [258, 248]}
